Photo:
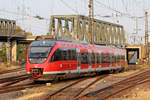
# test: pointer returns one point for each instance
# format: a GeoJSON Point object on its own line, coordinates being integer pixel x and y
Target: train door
{"type": "Point", "coordinates": [78, 60]}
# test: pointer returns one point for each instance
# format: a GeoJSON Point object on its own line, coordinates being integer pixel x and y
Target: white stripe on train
{"type": "Point", "coordinates": [80, 71]}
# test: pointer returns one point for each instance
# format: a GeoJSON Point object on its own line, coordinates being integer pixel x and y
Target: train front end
{"type": "Point", "coordinates": [38, 57]}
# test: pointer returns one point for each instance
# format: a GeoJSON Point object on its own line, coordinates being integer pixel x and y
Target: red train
{"type": "Point", "coordinates": [49, 60]}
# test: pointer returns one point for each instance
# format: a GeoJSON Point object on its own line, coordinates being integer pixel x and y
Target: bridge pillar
{"type": "Point", "coordinates": [8, 54]}
{"type": "Point", "coordinates": [14, 51]}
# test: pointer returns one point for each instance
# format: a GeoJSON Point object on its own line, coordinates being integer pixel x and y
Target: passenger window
{"type": "Point", "coordinates": [98, 58]}
{"type": "Point", "coordinates": [118, 58]}
{"type": "Point", "coordinates": [73, 54]}
{"type": "Point", "coordinates": [64, 54]}
{"type": "Point", "coordinates": [105, 58]}
{"type": "Point", "coordinates": [110, 57]}
{"type": "Point", "coordinates": [89, 59]}
{"type": "Point", "coordinates": [84, 58]}
{"type": "Point", "coordinates": [113, 58]}
{"type": "Point", "coordinates": [93, 58]}
{"type": "Point", "coordinates": [56, 56]}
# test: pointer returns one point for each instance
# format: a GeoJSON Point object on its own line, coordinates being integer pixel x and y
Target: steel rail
{"type": "Point", "coordinates": [18, 87]}
{"type": "Point", "coordinates": [13, 70]}
{"type": "Point", "coordinates": [8, 79]}
{"type": "Point", "coordinates": [48, 96]}
{"type": "Point", "coordinates": [90, 84]}
{"type": "Point", "coordinates": [134, 79]}
{"type": "Point", "coordinates": [130, 86]}
{"type": "Point", "coordinates": [14, 82]}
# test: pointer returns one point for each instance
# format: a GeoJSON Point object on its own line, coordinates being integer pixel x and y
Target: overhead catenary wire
{"type": "Point", "coordinates": [108, 7]}
{"type": "Point", "coordinates": [20, 14]}
{"type": "Point", "coordinates": [67, 5]}
{"type": "Point", "coordinates": [117, 11]}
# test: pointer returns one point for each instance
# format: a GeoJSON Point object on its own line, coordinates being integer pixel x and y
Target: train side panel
{"type": "Point", "coordinates": [66, 58]}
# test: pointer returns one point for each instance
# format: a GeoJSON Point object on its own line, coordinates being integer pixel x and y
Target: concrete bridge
{"type": "Point", "coordinates": [12, 37]}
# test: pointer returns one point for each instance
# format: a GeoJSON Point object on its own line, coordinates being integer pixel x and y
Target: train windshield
{"type": "Point", "coordinates": [39, 51]}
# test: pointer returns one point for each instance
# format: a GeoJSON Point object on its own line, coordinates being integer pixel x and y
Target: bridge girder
{"type": "Point", "coordinates": [76, 27]}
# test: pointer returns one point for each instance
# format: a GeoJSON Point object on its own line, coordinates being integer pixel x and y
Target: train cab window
{"type": "Point", "coordinates": [39, 51]}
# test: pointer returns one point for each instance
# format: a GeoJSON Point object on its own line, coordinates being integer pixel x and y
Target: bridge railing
{"type": "Point", "coordinates": [7, 27]}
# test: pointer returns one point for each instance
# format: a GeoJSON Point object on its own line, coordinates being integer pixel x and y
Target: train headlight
{"type": "Point", "coordinates": [37, 60]}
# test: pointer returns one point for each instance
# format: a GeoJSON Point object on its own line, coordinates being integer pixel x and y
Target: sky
{"type": "Point", "coordinates": [119, 11]}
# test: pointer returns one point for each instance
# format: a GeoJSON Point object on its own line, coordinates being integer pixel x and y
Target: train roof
{"type": "Point", "coordinates": [53, 42]}
{"type": "Point", "coordinates": [43, 43]}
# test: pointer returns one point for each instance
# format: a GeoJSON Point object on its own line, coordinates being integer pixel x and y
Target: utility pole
{"type": "Point", "coordinates": [146, 35]}
{"type": "Point", "coordinates": [90, 22]}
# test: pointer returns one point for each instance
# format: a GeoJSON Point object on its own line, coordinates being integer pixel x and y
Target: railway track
{"type": "Point", "coordinates": [13, 70]}
{"type": "Point", "coordinates": [19, 87]}
{"type": "Point", "coordinates": [115, 88]}
{"type": "Point", "coordinates": [50, 96]}
{"type": "Point", "coordinates": [14, 78]}
{"type": "Point", "coordinates": [11, 79]}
